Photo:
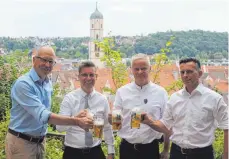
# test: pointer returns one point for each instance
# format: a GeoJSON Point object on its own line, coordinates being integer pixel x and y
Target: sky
{"type": "Point", "coordinates": [71, 18]}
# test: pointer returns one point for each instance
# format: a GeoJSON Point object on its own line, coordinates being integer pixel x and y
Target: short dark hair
{"type": "Point", "coordinates": [85, 64]}
{"type": "Point", "coordinates": [191, 59]}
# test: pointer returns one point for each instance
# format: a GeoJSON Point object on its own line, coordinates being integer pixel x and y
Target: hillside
{"type": "Point", "coordinates": [193, 43]}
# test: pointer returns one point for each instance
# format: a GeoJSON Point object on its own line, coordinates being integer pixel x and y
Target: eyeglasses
{"type": "Point", "coordinates": [187, 72]}
{"type": "Point", "coordinates": [51, 62]}
{"type": "Point", "coordinates": [143, 69]}
{"type": "Point", "coordinates": [85, 75]}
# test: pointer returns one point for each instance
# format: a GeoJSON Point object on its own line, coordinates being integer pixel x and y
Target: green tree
{"type": "Point", "coordinates": [160, 60]}
{"type": "Point", "coordinates": [113, 61]}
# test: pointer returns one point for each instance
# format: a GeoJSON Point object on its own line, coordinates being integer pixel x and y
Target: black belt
{"type": "Point", "coordinates": [186, 151]}
{"type": "Point", "coordinates": [26, 137]}
{"type": "Point", "coordinates": [83, 150]}
{"type": "Point", "coordinates": [138, 145]}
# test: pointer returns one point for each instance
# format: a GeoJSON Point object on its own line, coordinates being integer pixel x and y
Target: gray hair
{"type": "Point", "coordinates": [140, 56]}
{"type": "Point", "coordinates": [86, 64]}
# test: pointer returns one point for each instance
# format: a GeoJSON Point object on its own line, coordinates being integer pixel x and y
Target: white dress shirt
{"type": "Point", "coordinates": [151, 98]}
{"type": "Point", "coordinates": [194, 117]}
{"type": "Point", "coordinates": [72, 104]}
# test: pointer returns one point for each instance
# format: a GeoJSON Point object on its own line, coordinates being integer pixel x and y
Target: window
{"type": "Point", "coordinates": [92, 26]}
{"type": "Point", "coordinates": [97, 36]}
{"type": "Point", "coordinates": [101, 25]}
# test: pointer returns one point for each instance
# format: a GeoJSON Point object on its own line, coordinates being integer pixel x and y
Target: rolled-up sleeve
{"type": "Point", "coordinates": [118, 100]}
{"type": "Point", "coordinates": [221, 114]}
{"type": "Point", "coordinates": [108, 133]}
{"type": "Point", "coordinates": [25, 95]}
{"type": "Point", "coordinates": [65, 110]}
{"type": "Point", "coordinates": [167, 118]}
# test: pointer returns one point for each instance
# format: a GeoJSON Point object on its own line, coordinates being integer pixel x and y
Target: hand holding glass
{"type": "Point", "coordinates": [116, 119]}
{"type": "Point", "coordinates": [98, 126]}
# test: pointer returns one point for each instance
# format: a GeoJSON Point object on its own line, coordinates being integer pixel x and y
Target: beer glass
{"type": "Point", "coordinates": [116, 119]}
{"type": "Point", "coordinates": [98, 126]}
{"type": "Point", "coordinates": [135, 118]}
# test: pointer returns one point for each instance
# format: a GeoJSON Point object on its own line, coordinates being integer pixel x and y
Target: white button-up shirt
{"type": "Point", "coordinates": [151, 98]}
{"type": "Point", "coordinates": [194, 117]}
{"type": "Point", "coordinates": [72, 104]}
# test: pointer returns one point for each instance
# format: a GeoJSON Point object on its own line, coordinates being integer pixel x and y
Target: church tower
{"type": "Point", "coordinates": [96, 34]}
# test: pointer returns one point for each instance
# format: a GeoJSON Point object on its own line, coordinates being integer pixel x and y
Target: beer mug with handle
{"type": "Point", "coordinates": [98, 125]}
{"type": "Point", "coordinates": [135, 118]}
{"type": "Point", "coordinates": [116, 119]}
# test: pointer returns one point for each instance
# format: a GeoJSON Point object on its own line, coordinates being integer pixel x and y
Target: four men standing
{"type": "Point", "coordinates": [192, 113]}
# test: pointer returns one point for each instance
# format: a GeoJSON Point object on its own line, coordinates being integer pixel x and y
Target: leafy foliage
{"type": "Point", "coordinates": [15, 67]}
{"type": "Point", "coordinates": [193, 43]}
{"type": "Point", "coordinates": [54, 148]}
{"type": "Point", "coordinates": [113, 60]}
{"type": "Point", "coordinates": [160, 60]}
{"type": "Point", "coordinates": [3, 129]}
{"type": "Point", "coordinates": [116, 144]}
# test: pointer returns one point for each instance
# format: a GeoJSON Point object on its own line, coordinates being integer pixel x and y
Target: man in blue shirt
{"type": "Point", "coordinates": [30, 112]}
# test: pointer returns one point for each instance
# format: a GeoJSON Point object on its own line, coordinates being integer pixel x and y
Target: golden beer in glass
{"type": "Point", "coordinates": [116, 119]}
{"type": "Point", "coordinates": [98, 127]}
{"type": "Point", "coordinates": [135, 118]}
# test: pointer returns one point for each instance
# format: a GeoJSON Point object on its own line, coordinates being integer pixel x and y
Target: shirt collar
{"type": "Point", "coordinates": [83, 94]}
{"type": "Point", "coordinates": [142, 87]}
{"type": "Point", "coordinates": [199, 89]}
{"type": "Point", "coordinates": [33, 74]}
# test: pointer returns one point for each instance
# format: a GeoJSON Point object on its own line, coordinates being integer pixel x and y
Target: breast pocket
{"type": "Point", "coordinates": [202, 115]}
{"type": "Point", "coordinates": [155, 112]}
{"type": "Point", "coordinates": [208, 113]}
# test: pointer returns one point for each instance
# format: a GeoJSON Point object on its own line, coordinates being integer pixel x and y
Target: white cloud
{"type": "Point", "coordinates": [126, 17]}
{"type": "Point", "coordinates": [128, 9]}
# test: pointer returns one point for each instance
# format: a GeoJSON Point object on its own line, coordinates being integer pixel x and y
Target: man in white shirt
{"type": "Point", "coordinates": [193, 113]}
{"type": "Point", "coordinates": [76, 139]}
{"type": "Point", "coordinates": [141, 143]}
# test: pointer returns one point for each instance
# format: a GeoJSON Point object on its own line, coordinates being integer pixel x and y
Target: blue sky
{"type": "Point", "coordinates": [70, 18]}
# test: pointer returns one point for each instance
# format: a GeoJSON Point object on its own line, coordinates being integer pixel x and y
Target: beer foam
{"type": "Point", "coordinates": [99, 122]}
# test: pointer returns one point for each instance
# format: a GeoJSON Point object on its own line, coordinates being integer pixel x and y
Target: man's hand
{"type": "Point", "coordinates": [82, 113]}
{"type": "Point", "coordinates": [118, 124]}
{"type": "Point", "coordinates": [84, 122]}
{"type": "Point", "coordinates": [164, 155]}
{"type": "Point", "coordinates": [146, 119]}
{"type": "Point", "coordinates": [225, 156]}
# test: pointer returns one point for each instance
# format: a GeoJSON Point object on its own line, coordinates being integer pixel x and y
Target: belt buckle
{"type": "Point", "coordinates": [183, 151]}
{"type": "Point", "coordinates": [38, 141]}
{"type": "Point", "coordinates": [30, 139]}
{"type": "Point", "coordinates": [18, 135]}
{"type": "Point", "coordinates": [86, 150]}
{"type": "Point", "coordinates": [135, 146]}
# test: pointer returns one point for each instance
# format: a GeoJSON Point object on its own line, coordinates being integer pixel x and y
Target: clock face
{"type": "Point", "coordinates": [97, 54]}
